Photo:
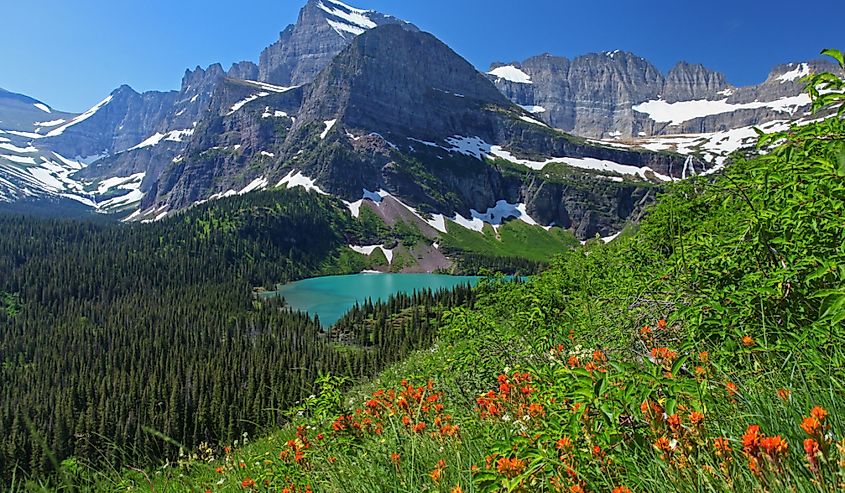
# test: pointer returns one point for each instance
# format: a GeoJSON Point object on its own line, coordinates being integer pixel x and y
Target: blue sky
{"type": "Point", "coordinates": [71, 53]}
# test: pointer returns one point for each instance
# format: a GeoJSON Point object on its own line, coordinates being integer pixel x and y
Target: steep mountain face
{"type": "Point", "coordinates": [400, 112]}
{"type": "Point", "coordinates": [618, 94]}
{"type": "Point", "coordinates": [324, 28]}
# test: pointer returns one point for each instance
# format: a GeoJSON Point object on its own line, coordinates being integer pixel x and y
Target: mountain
{"type": "Point", "coordinates": [621, 95]}
{"type": "Point", "coordinates": [333, 105]}
{"type": "Point", "coordinates": [323, 29]}
{"type": "Point", "coordinates": [399, 112]}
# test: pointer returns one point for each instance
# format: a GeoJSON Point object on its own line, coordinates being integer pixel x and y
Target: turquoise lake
{"type": "Point", "coordinates": [332, 296]}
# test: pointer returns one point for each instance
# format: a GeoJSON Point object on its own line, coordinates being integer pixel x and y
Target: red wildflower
{"type": "Point", "coordinates": [621, 489]}
{"type": "Point", "coordinates": [696, 418]}
{"type": "Point", "coordinates": [811, 426]}
{"type": "Point", "coordinates": [819, 413]}
{"type": "Point", "coordinates": [510, 468]}
{"type": "Point", "coordinates": [674, 421]}
{"type": "Point", "coordinates": [747, 341]}
{"type": "Point", "coordinates": [248, 483]}
{"type": "Point", "coordinates": [783, 394]}
{"type": "Point", "coordinates": [774, 446]}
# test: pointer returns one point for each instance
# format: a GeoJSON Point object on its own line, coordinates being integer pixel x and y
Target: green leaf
{"type": "Point", "coordinates": [835, 54]}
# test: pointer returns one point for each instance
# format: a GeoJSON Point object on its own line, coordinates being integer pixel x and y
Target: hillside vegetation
{"type": "Point", "coordinates": [700, 351]}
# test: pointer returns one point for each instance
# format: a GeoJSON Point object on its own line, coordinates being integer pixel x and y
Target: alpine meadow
{"type": "Point", "coordinates": [359, 264]}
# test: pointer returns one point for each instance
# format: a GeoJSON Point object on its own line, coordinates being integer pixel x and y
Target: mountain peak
{"type": "Point", "coordinates": [324, 28]}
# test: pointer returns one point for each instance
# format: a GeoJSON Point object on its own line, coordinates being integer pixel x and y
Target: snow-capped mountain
{"type": "Point", "coordinates": [621, 97]}
{"type": "Point", "coordinates": [363, 106]}
{"type": "Point", "coordinates": [399, 112]}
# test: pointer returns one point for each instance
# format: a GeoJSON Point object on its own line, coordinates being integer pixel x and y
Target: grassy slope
{"type": "Point", "coordinates": [514, 239]}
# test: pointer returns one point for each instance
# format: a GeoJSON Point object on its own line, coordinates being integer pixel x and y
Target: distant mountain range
{"type": "Point", "coordinates": [364, 106]}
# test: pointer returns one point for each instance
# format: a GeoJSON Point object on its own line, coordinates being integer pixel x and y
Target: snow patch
{"type": "Point", "coordinates": [512, 74]}
{"type": "Point", "coordinates": [682, 111]}
{"type": "Point", "coordinates": [533, 109]}
{"type": "Point", "coordinates": [368, 250]}
{"type": "Point", "coordinates": [79, 119]}
{"type": "Point", "coordinates": [240, 104]}
{"type": "Point", "coordinates": [51, 123]}
{"type": "Point", "coordinates": [297, 179]}
{"type": "Point", "coordinates": [256, 184]}
{"type": "Point", "coordinates": [43, 107]}
{"type": "Point", "coordinates": [533, 121]}
{"type": "Point", "coordinates": [329, 124]}
{"type": "Point", "coordinates": [802, 70]}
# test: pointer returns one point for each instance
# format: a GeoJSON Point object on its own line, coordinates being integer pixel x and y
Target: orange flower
{"type": "Point", "coordinates": [598, 356]}
{"type": "Point", "coordinates": [645, 331]}
{"type": "Point", "coordinates": [662, 323]}
{"type": "Point", "coordinates": [783, 394]}
{"type": "Point", "coordinates": [774, 446]}
{"type": "Point", "coordinates": [457, 489]}
{"type": "Point", "coordinates": [577, 488]}
{"type": "Point", "coordinates": [510, 468]}
{"type": "Point", "coordinates": [731, 388]}
{"type": "Point", "coordinates": [674, 421]}
{"type": "Point", "coordinates": [395, 457]}
{"type": "Point", "coordinates": [248, 483]}
{"type": "Point", "coordinates": [419, 427]}
{"type": "Point", "coordinates": [819, 413]}
{"type": "Point", "coordinates": [573, 361]}
{"type": "Point", "coordinates": [747, 341]}
{"type": "Point", "coordinates": [563, 443]}
{"type": "Point", "coordinates": [704, 357]}
{"type": "Point", "coordinates": [621, 489]}
{"type": "Point", "coordinates": [811, 448]}
{"type": "Point", "coordinates": [662, 444]}
{"type": "Point", "coordinates": [722, 447]}
{"type": "Point", "coordinates": [435, 474]}
{"type": "Point", "coordinates": [751, 440]}
{"type": "Point", "coordinates": [811, 426]}
{"type": "Point", "coordinates": [696, 418]}
{"type": "Point", "coordinates": [219, 470]}
{"type": "Point", "coordinates": [332, 460]}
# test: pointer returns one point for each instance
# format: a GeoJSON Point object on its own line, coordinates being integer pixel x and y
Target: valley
{"type": "Point", "coordinates": [359, 262]}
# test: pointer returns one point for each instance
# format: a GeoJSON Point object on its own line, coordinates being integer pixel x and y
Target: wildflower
{"type": "Point", "coordinates": [219, 470]}
{"type": "Point", "coordinates": [731, 388]}
{"type": "Point", "coordinates": [722, 447]}
{"type": "Point", "coordinates": [774, 446]}
{"type": "Point", "coordinates": [510, 468]}
{"type": "Point", "coordinates": [811, 426]}
{"type": "Point", "coordinates": [811, 447]}
{"type": "Point", "coordinates": [696, 418]}
{"type": "Point", "coordinates": [598, 356]}
{"type": "Point", "coordinates": [663, 444]}
{"type": "Point", "coordinates": [704, 357]}
{"type": "Point", "coordinates": [751, 440]}
{"type": "Point", "coordinates": [819, 413]}
{"type": "Point", "coordinates": [332, 460]}
{"type": "Point", "coordinates": [577, 488]}
{"type": "Point", "coordinates": [248, 483]}
{"type": "Point", "coordinates": [811, 451]}
{"type": "Point", "coordinates": [783, 394]}
{"type": "Point", "coordinates": [645, 331]}
{"type": "Point", "coordinates": [457, 489]}
{"type": "Point", "coordinates": [419, 427]}
{"type": "Point", "coordinates": [564, 443]}
{"type": "Point", "coordinates": [674, 421]}
{"type": "Point", "coordinates": [573, 361]}
{"type": "Point", "coordinates": [662, 324]}
{"type": "Point", "coordinates": [621, 489]}
{"type": "Point", "coordinates": [395, 457]}
{"type": "Point", "coordinates": [747, 341]}
{"type": "Point", "coordinates": [435, 474]}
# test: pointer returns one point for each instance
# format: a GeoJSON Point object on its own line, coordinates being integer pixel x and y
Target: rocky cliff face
{"type": "Point", "coordinates": [618, 94]}
{"type": "Point", "coordinates": [324, 28]}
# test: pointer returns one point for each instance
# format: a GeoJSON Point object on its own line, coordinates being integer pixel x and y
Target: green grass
{"type": "Point", "coordinates": [514, 239]}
